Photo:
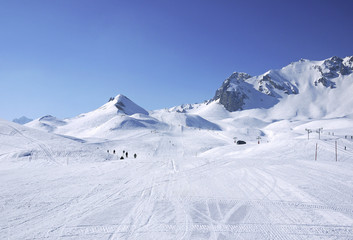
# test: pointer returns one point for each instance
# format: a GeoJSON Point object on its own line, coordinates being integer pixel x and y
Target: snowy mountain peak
{"type": "Point", "coordinates": [126, 106]}
{"type": "Point", "coordinates": [22, 120]}
{"type": "Point", "coordinates": [118, 112]}
{"type": "Point", "coordinates": [121, 104]}
{"type": "Point", "coordinates": [273, 85]}
{"type": "Point", "coordinates": [241, 91]}
{"type": "Point", "coordinates": [348, 62]}
{"type": "Point", "coordinates": [333, 67]}
{"type": "Point", "coordinates": [121, 97]}
{"type": "Point", "coordinates": [47, 118]}
{"type": "Point", "coordinates": [238, 76]}
{"type": "Point", "coordinates": [231, 93]}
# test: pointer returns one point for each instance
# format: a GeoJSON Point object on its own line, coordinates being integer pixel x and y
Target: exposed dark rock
{"type": "Point", "coordinates": [120, 106]}
{"type": "Point", "coordinates": [267, 85]}
{"type": "Point", "coordinates": [335, 66]}
{"type": "Point", "coordinates": [325, 82]}
{"type": "Point", "coordinates": [232, 99]}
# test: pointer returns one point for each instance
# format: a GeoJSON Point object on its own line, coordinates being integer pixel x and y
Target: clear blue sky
{"type": "Point", "coordinates": [66, 57]}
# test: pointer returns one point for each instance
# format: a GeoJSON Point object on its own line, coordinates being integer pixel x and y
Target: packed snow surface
{"type": "Point", "coordinates": [186, 182]}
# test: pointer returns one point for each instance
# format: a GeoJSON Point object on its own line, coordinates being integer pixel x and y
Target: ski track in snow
{"type": "Point", "coordinates": [42, 145]}
{"type": "Point", "coordinates": [175, 191]}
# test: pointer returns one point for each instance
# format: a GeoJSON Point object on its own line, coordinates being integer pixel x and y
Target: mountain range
{"type": "Point", "coordinates": [309, 80]}
{"type": "Point", "coordinates": [301, 90]}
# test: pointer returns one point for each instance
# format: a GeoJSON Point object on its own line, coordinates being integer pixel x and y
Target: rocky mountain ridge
{"type": "Point", "coordinates": [241, 91]}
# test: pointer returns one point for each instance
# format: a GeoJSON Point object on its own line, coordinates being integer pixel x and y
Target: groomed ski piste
{"type": "Point", "coordinates": [186, 182]}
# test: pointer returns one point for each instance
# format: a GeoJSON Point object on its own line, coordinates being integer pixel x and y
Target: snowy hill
{"type": "Point", "coordinates": [311, 89]}
{"type": "Point", "coordinates": [21, 144]}
{"type": "Point", "coordinates": [119, 113]}
{"type": "Point", "coordinates": [47, 123]}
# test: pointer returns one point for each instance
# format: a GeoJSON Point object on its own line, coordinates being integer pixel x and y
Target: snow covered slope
{"type": "Point", "coordinates": [186, 183]}
{"type": "Point", "coordinates": [307, 89]}
{"type": "Point", "coordinates": [22, 145]}
{"type": "Point", "coordinates": [47, 123]}
{"type": "Point", "coordinates": [180, 119]}
{"type": "Point", "coordinates": [119, 113]}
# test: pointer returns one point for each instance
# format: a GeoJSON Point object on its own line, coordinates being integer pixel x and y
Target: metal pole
{"type": "Point", "coordinates": [319, 132]}
{"type": "Point", "coordinates": [316, 152]}
{"type": "Point", "coordinates": [309, 131]}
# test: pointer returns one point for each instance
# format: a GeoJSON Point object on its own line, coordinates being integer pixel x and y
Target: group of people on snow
{"type": "Point", "coordinates": [125, 154]}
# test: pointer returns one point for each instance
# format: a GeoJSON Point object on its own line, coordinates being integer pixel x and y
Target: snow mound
{"type": "Point", "coordinates": [47, 123]}
{"type": "Point", "coordinates": [185, 120]}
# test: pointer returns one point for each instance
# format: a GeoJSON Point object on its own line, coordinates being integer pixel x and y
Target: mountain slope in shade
{"type": "Point", "coordinates": [22, 120]}
{"type": "Point", "coordinates": [124, 105]}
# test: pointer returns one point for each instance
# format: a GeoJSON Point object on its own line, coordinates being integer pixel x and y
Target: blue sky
{"type": "Point", "coordinates": [66, 57]}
